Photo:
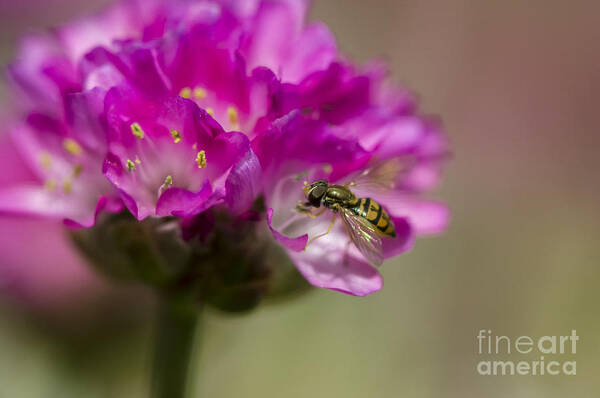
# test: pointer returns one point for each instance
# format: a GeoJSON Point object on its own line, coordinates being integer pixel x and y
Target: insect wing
{"type": "Point", "coordinates": [381, 177]}
{"type": "Point", "coordinates": [364, 236]}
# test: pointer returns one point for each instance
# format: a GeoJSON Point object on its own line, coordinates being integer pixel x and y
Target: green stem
{"type": "Point", "coordinates": [176, 329]}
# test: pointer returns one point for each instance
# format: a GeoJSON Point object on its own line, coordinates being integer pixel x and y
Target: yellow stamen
{"type": "Point", "coordinates": [67, 186]}
{"type": "Point", "coordinates": [77, 169]}
{"type": "Point", "coordinates": [200, 93]}
{"type": "Point", "coordinates": [46, 160]}
{"type": "Point", "coordinates": [185, 92]}
{"type": "Point", "coordinates": [168, 182]}
{"type": "Point", "coordinates": [201, 159]}
{"type": "Point", "coordinates": [72, 147]}
{"type": "Point", "coordinates": [210, 111]}
{"type": "Point", "coordinates": [233, 116]}
{"type": "Point", "coordinates": [176, 136]}
{"type": "Point", "coordinates": [50, 185]}
{"type": "Point", "coordinates": [195, 146]}
{"type": "Point", "coordinates": [327, 168]}
{"type": "Point", "coordinates": [130, 165]}
{"type": "Point", "coordinates": [137, 160]}
{"type": "Point", "coordinates": [136, 129]}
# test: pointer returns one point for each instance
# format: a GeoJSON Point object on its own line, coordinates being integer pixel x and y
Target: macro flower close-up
{"type": "Point", "coordinates": [298, 198]}
{"type": "Point", "coordinates": [181, 110]}
{"type": "Point", "coordinates": [220, 152]}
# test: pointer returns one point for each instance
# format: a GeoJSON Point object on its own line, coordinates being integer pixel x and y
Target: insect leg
{"type": "Point", "coordinates": [325, 233]}
{"type": "Point", "coordinates": [306, 209]}
{"type": "Point", "coordinates": [317, 214]}
{"type": "Point", "coordinates": [302, 207]}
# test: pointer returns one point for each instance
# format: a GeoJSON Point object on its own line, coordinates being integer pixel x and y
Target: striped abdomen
{"type": "Point", "coordinates": [376, 215]}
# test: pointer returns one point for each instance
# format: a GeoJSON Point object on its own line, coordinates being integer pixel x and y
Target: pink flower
{"type": "Point", "coordinates": [349, 123]}
{"type": "Point", "coordinates": [192, 107]}
{"type": "Point", "coordinates": [37, 263]}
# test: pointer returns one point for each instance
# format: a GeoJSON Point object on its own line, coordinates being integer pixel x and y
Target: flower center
{"type": "Point", "coordinates": [226, 114]}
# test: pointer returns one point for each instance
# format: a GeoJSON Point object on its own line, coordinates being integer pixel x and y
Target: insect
{"type": "Point", "coordinates": [366, 222]}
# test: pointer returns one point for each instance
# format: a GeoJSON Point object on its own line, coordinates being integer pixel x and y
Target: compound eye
{"type": "Point", "coordinates": [316, 194]}
{"type": "Point", "coordinates": [318, 191]}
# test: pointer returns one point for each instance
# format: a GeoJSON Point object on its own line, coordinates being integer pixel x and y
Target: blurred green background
{"type": "Point", "coordinates": [517, 84]}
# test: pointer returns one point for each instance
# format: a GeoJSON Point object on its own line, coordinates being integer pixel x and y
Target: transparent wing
{"type": "Point", "coordinates": [382, 176]}
{"type": "Point", "coordinates": [364, 236]}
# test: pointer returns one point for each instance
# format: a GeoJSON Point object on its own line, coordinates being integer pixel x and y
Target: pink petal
{"type": "Point", "coordinates": [243, 183]}
{"type": "Point", "coordinates": [329, 264]}
{"type": "Point", "coordinates": [183, 203]}
{"type": "Point", "coordinates": [295, 244]}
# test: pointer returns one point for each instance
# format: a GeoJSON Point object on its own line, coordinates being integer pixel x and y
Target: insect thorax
{"type": "Point", "coordinates": [338, 195]}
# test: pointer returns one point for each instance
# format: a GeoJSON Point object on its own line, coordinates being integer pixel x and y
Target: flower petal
{"type": "Point", "coordinates": [314, 50]}
{"type": "Point", "coordinates": [142, 205]}
{"type": "Point", "coordinates": [334, 95]}
{"type": "Point", "coordinates": [295, 244]}
{"type": "Point", "coordinates": [404, 240]}
{"type": "Point", "coordinates": [264, 48]}
{"type": "Point", "coordinates": [105, 204]}
{"type": "Point", "coordinates": [38, 53]}
{"type": "Point", "coordinates": [326, 263]}
{"type": "Point", "coordinates": [183, 203]}
{"type": "Point", "coordinates": [427, 217]}
{"type": "Point", "coordinates": [37, 201]}
{"type": "Point", "coordinates": [243, 183]}
{"type": "Point", "coordinates": [299, 143]}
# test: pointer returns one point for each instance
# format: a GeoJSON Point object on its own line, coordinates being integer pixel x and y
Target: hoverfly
{"type": "Point", "coordinates": [366, 222]}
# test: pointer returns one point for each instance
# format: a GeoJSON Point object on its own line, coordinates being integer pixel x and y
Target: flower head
{"type": "Point", "coordinates": [208, 107]}
{"type": "Point", "coordinates": [37, 264]}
